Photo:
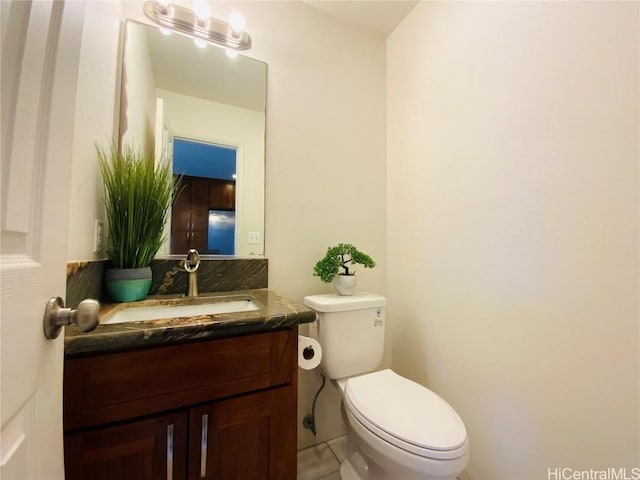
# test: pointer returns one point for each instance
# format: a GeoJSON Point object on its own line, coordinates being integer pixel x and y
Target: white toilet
{"type": "Point", "coordinates": [396, 428]}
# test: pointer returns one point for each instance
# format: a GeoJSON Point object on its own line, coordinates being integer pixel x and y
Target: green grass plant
{"type": "Point", "coordinates": [138, 194]}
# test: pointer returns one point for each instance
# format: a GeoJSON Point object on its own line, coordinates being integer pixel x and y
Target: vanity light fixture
{"type": "Point", "coordinates": [202, 11]}
{"type": "Point", "coordinates": [198, 42]}
{"type": "Point", "coordinates": [201, 26]}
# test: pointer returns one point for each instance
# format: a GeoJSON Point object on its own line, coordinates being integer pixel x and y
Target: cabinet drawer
{"type": "Point", "coordinates": [118, 386]}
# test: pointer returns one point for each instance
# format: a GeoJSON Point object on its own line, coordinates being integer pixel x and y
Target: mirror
{"type": "Point", "coordinates": [199, 108]}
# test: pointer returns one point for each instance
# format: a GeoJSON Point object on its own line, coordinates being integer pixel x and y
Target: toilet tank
{"type": "Point", "coordinates": [350, 330]}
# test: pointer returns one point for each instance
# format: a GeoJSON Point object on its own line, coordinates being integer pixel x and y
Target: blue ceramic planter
{"type": "Point", "coordinates": [128, 284]}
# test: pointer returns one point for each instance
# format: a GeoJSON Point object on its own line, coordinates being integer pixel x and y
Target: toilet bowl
{"type": "Point", "coordinates": [401, 429]}
{"type": "Point", "coordinates": [396, 429]}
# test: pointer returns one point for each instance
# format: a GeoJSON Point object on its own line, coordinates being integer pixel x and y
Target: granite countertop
{"type": "Point", "coordinates": [274, 312]}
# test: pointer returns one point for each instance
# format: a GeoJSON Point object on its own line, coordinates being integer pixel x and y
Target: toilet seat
{"type": "Point", "coordinates": [406, 414]}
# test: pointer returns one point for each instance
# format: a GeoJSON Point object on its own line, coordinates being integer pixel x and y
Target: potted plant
{"type": "Point", "coordinates": [343, 256]}
{"type": "Point", "coordinates": [138, 193]}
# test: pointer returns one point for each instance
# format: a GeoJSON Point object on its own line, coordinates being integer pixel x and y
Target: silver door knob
{"type": "Point", "coordinates": [86, 316]}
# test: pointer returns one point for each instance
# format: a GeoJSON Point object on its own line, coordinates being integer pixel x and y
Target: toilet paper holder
{"type": "Point", "coordinates": [308, 353]}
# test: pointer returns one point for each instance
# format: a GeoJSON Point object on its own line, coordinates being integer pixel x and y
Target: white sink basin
{"type": "Point", "coordinates": [140, 314]}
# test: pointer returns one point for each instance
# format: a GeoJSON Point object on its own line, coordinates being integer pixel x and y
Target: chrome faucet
{"type": "Point", "coordinates": [191, 264]}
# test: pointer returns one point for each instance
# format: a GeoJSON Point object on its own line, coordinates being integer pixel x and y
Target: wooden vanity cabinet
{"type": "Point", "coordinates": [214, 409]}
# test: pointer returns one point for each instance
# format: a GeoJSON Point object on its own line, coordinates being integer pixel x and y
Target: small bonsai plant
{"type": "Point", "coordinates": [343, 256]}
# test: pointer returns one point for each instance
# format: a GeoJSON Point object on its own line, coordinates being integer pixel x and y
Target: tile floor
{"type": "Point", "coordinates": [322, 461]}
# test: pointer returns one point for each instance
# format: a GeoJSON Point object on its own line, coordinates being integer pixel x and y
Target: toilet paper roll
{"type": "Point", "coordinates": [309, 353]}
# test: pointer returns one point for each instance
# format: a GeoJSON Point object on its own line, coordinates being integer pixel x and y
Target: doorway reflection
{"type": "Point", "coordinates": [203, 214]}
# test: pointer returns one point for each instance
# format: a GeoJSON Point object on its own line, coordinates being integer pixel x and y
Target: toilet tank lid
{"type": "Point", "coordinates": [341, 303]}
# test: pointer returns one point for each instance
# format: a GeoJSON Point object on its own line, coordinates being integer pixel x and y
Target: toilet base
{"type": "Point", "coordinates": [373, 472]}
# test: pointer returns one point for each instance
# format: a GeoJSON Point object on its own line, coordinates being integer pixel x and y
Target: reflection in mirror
{"type": "Point", "coordinates": [205, 112]}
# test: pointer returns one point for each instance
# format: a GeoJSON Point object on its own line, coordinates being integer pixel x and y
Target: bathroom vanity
{"type": "Point", "coordinates": [211, 396]}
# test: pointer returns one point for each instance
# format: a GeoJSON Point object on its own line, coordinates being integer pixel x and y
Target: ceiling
{"type": "Point", "coordinates": [376, 16]}
{"type": "Point", "coordinates": [243, 81]}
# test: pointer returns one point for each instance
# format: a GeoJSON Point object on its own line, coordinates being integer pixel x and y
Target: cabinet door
{"type": "Point", "coordinates": [198, 240]}
{"type": "Point", "coordinates": [151, 449]}
{"type": "Point", "coordinates": [181, 209]}
{"type": "Point", "coordinates": [248, 437]}
{"type": "Point", "coordinates": [180, 241]}
{"type": "Point", "coordinates": [222, 195]}
{"type": "Point", "coordinates": [200, 204]}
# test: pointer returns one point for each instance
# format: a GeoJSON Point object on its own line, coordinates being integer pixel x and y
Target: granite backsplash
{"type": "Point", "coordinates": [84, 279]}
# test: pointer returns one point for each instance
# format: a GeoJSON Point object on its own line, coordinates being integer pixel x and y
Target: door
{"type": "Point", "coordinates": [151, 449]}
{"type": "Point", "coordinates": [40, 54]}
{"type": "Point", "coordinates": [190, 217]}
{"type": "Point", "coordinates": [181, 217]}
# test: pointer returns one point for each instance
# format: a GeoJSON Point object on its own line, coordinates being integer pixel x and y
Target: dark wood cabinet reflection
{"type": "Point", "coordinates": [190, 212]}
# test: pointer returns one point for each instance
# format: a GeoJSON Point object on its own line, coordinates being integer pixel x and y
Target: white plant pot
{"type": "Point", "coordinates": [344, 284]}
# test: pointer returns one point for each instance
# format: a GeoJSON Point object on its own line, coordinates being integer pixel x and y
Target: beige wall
{"type": "Point", "coordinates": [325, 149]}
{"type": "Point", "coordinates": [513, 226]}
{"type": "Point", "coordinates": [96, 121]}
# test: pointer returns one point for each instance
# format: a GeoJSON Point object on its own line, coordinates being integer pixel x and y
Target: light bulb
{"type": "Point", "coordinates": [230, 53]}
{"type": "Point", "coordinates": [199, 42]}
{"type": "Point", "coordinates": [201, 10]}
{"type": "Point", "coordinates": [237, 22]}
{"type": "Point", "coordinates": [162, 5]}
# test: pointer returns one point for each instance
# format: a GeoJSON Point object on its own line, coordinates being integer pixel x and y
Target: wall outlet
{"type": "Point", "coordinates": [254, 237]}
{"type": "Point", "coordinates": [98, 235]}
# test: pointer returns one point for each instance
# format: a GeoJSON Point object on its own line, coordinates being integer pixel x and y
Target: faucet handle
{"type": "Point", "coordinates": [192, 262]}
